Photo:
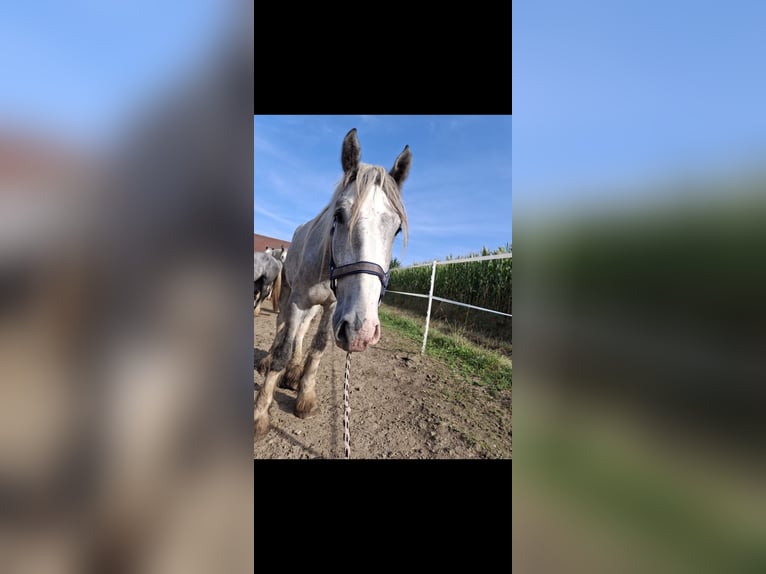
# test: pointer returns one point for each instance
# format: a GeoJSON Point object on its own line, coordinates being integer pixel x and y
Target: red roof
{"type": "Point", "coordinates": [261, 242]}
{"type": "Point", "coordinates": [34, 158]}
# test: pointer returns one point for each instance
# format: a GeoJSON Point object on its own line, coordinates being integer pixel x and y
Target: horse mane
{"type": "Point", "coordinates": [365, 177]}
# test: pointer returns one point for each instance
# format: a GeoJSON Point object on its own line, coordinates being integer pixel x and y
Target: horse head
{"type": "Point", "coordinates": [367, 215]}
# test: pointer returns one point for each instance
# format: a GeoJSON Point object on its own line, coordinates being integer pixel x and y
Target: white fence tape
{"type": "Point", "coordinates": [431, 295]}
{"type": "Point", "coordinates": [451, 301]}
{"type": "Point", "coordinates": [410, 294]}
{"type": "Point", "coordinates": [466, 260]}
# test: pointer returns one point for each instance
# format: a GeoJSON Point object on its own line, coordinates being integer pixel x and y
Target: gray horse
{"type": "Point", "coordinates": [276, 287]}
{"type": "Point", "coordinates": [267, 269]}
{"type": "Point", "coordinates": [338, 264]}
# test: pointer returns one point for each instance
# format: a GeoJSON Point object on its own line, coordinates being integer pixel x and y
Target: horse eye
{"type": "Point", "coordinates": [398, 231]}
{"type": "Point", "coordinates": [339, 216]}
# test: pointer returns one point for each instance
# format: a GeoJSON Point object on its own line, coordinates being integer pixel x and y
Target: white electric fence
{"type": "Point", "coordinates": [431, 295]}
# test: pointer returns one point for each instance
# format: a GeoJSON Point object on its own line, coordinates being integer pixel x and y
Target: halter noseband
{"type": "Point", "coordinates": [354, 268]}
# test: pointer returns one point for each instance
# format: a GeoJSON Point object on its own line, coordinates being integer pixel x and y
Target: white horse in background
{"type": "Point", "coordinates": [267, 275]}
{"type": "Point", "coordinates": [276, 287]}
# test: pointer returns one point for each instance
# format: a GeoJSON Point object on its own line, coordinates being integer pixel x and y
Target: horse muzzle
{"type": "Point", "coordinates": [354, 334]}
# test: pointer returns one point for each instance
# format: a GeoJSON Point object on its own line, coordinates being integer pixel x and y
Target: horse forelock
{"type": "Point", "coordinates": [367, 177]}
{"type": "Point", "coordinates": [364, 180]}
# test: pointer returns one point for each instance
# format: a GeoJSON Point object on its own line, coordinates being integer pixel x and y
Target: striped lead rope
{"type": "Point", "coordinates": [346, 435]}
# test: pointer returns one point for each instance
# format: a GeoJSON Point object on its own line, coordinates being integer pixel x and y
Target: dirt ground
{"type": "Point", "coordinates": [402, 405]}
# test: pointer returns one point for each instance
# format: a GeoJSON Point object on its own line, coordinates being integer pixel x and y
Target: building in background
{"type": "Point", "coordinates": [261, 242]}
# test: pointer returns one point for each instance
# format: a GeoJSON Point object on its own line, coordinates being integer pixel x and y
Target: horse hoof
{"type": "Point", "coordinates": [305, 408]}
{"type": "Point", "coordinates": [264, 365]}
{"type": "Point", "coordinates": [285, 383]}
{"type": "Point", "coordinates": [292, 377]}
{"type": "Point", "coordinates": [260, 428]}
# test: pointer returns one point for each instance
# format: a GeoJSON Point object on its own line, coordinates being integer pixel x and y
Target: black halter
{"type": "Point", "coordinates": [354, 268]}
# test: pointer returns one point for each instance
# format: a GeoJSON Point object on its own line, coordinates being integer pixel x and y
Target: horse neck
{"type": "Point", "coordinates": [313, 257]}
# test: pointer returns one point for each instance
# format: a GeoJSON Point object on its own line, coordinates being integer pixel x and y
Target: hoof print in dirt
{"type": "Point", "coordinates": [407, 361]}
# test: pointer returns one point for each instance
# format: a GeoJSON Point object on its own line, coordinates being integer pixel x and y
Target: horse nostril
{"type": "Point", "coordinates": [342, 334]}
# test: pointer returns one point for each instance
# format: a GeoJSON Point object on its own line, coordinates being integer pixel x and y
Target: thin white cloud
{"type": "Point", "coordinates": [266, 147]}
{"type": "Point", "coordinates": [273, 217]}
{"type": "Point", "coordinates": [443, 229]}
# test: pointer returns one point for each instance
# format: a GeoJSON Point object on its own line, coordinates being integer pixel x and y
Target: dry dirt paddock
{"type": "Point", "coordinates": [402, 405]}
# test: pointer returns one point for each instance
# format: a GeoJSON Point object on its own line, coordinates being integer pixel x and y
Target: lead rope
{"type": "Point", "coordinates": [346, 435]}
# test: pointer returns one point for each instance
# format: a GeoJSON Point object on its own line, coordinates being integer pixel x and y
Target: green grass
{"type": "Point", "coordinates": [468, 361]}
{"type": "Point", "coordinates": [662, 508]}
{"type": "Point", "coordinates": [486, 284]}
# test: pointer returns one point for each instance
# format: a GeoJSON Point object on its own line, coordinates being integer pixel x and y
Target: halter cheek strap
{"type": "Point", "coordinates": [354, 268]}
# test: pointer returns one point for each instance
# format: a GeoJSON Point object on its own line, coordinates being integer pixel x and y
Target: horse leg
{"type": "Point", "coordinates": [275, 291]}
{"type": "Point", "coordinates": [306, 403]}
{"type": "Point", "coordinates": [292, 377]}
{"type": "Point", "coordinates": [265, 294]}
{"type": "Point", "coordinates": [258, 297]}
{"type": "Point", "coordinates": [282, 348]}
{"type": "Point", "coordinates": [265, 363]}
{"type": "Point", "coordinates": [284, 295]}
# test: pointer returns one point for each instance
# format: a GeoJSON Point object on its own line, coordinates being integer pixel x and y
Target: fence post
{"type": "Point", "coordinates": [428, 313]}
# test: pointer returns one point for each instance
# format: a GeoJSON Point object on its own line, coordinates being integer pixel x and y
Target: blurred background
{"type": "Point", "coordinates": [125, 228]}
{"type": "Point", "coordinates": [125, 338]}
{"type": "Point", "coordinates": [639, 175]}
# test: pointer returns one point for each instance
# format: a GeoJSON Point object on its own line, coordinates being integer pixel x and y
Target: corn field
{"type": "Point", "coordinates": [486, 284]}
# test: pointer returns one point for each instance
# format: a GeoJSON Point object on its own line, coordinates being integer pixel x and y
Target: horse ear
{"type": "Point", "coordinates": [352, 152]}
{"type": "Point", "coordinates": [401, 168]}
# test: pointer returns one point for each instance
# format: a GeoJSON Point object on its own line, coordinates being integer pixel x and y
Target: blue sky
{"type": "Point", "coordinates": [458, 194]}
{"type": "Point", "coordinates": [80, 67]}
{"type": "Point", "coordinates": [613, 100]}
